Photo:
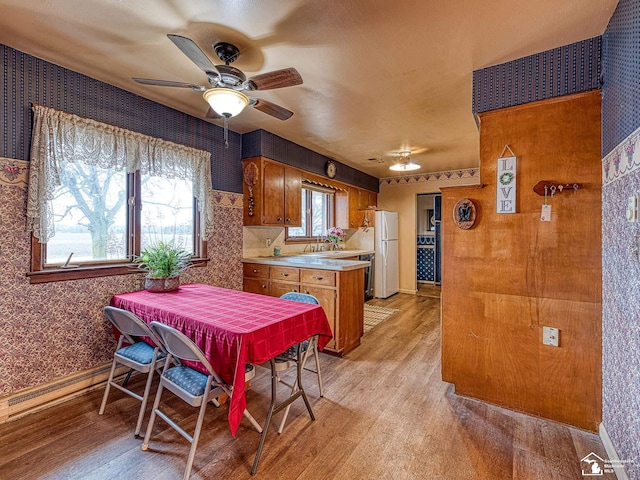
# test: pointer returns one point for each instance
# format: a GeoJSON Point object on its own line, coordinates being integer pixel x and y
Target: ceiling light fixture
{"type": "Point", "coordinates": [227, 103]}
{"type": "Point", "coordinates": [405, 164]}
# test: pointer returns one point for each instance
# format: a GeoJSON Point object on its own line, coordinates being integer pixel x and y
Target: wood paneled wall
{"type": "Point", "coordinates": [512, 274]}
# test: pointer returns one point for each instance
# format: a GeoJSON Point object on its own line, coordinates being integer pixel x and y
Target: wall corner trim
{"type": "Point", "coordinates": [618, 468]}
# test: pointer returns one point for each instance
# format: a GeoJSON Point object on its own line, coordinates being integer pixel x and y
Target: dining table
{"type": "Point", "coordinates": [234, 328]}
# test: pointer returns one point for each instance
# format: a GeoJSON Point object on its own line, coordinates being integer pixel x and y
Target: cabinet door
{"type": "Point", "coordinates": [292, 198]}
{"type": "Point", "coordinates": [366, 199]}
{"type": "Point", "coordinates": [372, 199]}
{"type": "Point", "coordinates": [327, 298]}
{"type": "Point", "coordinates": [354, 214]}
{"type": "Point", "coordinates": [277, 289]}
{"type": "Point", "coordinates": [341, 201]}
{"type": "Point", "coordinates": [273, 194]}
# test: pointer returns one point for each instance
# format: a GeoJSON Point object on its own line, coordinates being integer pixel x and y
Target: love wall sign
{"type": "Point", "coordinates": [506, 185]}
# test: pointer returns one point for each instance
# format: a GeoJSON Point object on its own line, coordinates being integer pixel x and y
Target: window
{"type": "Point", "coordinates": [92, 219]}
{"type": "Point", "coordinates": [89, 215]}
{"type": "Point", "coordinates": [92, 210]}
{"type": "Point", "coordinates": [317, 214]}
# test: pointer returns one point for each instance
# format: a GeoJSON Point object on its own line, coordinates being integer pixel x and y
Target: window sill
{"type": "Point", "coordinates": [79, 273]}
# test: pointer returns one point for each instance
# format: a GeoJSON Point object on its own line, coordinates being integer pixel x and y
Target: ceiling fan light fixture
{"type": "Point", "coordinates": [226, 101]}
{"type": "Point", "coordinates": [404, 167]}
{"type": "Point", "coordinates": [405, 164]}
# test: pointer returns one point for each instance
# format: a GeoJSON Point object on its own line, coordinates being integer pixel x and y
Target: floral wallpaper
{"type": "Point", "coordinates": [621, 304]}
{"type": "Point", "coordinates": [620, 238]}
{"type": "Point", "coordinates": [51, 330]}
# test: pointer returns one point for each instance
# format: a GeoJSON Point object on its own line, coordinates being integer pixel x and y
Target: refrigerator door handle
{"type": "Point", "coordinates": [384, 252]}
{"type": "Point", "coordinates": [386, 227]}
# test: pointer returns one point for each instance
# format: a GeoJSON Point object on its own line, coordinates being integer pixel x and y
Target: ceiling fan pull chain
{"type": "Point", "coordinates": [226, 132]}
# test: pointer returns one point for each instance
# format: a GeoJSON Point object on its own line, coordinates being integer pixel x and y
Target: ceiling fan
{"type": "Point", "coordinates": [227, 84]}
{"type": "Point", "coordinates": [404, 162]}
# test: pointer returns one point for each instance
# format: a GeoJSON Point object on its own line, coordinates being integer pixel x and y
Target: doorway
{"type": "Point", "coordinates": [428, 241]}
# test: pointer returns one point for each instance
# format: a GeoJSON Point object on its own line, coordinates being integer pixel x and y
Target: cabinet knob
{"type": "Point", "coordinates": [315, 277]}
{"type": "Point", "coordinates": [284, 274]}
{"type": "Point", "coordinates": [264, 286]}
{"type": "Point", "coordinates": [255, 270]}
{"type": "Point", "coordinates": [279, 219]}
{"type": "Point", "coordinates": [287, 220]}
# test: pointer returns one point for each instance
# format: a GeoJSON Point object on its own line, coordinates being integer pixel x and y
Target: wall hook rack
{"type": "Point", "coordinates": [546, 187]}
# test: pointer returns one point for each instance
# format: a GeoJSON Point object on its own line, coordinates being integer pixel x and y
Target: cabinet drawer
{"type": "Point", "coordinates": [256, 270]}
{"type": "Point", "coordinates": [285, 274]}
{"type": "Point", "coordinates": [256, 285]}
{"type": "Point", "coordinates": [317, 277]}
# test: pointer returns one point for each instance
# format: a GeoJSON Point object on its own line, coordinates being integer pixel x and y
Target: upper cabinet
{"type": "Point", "coordinates": [355, 208]}
{"type": "Point", "coordinates": [272, 193]}
{"type": "Point", "coordinates": [367, 200]}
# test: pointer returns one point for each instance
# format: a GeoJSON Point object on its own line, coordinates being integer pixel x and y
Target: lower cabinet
{"type": "Point", "coordinates": [341, 294]}
{"type": "Point", "coordinates": [256, 278]}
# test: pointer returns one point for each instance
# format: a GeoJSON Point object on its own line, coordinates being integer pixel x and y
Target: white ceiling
{"type": "Point", "coordinates": [379, 76]}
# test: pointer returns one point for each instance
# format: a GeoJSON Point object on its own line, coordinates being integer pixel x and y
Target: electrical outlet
{"type": "Point", "coordinates": [268, 242]}
{"type": "Point", "coordinates": [550, 336]}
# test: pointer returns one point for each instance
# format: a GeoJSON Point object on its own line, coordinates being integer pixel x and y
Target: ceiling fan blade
{"type": "Point", "coordinates": [168, 83]}
{"type": "Point", "coordinates": [211, 113]}
{"type": "Point", "coordinates": [272, 109]}
{"type": "Point", "coordinates": [191, 50]}
{"type": "Point", "coordinates": [287, 77]}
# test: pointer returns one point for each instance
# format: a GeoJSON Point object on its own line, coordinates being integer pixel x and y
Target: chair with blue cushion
{"type": "Point", "coordinates": [138, 355]}
{"type": "Point", "coordinates": [288, 359]}
{"type": "Point", "coordinates": [194, 387]}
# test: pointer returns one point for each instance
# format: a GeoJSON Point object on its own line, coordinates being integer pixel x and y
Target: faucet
{"type": "Point", "coordinates": [308, 245]}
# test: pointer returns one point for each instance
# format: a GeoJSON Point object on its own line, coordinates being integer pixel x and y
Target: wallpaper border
{"type": "Point", "coordinates": [14, 173]}
{"type": "Point", "coordinates": [227, 199]}
{"type": "Point", "coordinates": [622, 160]}
{"type": "Point", "coordinates": [432, 177]}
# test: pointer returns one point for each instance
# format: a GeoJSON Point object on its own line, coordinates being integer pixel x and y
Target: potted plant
{"type": "Point", "coordinates": [163, 262]}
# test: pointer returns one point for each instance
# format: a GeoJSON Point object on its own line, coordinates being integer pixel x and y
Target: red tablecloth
{"type": "Point", "coordinates": [231, 327]}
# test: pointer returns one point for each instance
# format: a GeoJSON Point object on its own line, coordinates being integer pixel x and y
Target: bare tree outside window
{"type": "Point", "coordinates": [91, 218]}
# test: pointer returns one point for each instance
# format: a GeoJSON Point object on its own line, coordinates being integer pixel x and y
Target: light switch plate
{"type": "Point", "coordinates": [632, 209]}
{"type": "Point", "coordinates": [550, 336]}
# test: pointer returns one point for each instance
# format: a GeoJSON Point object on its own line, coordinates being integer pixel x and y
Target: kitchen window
{"type": "Point", "coordinates": [94, 206]}
{"type": "Point", "coordinates": [317, 214]}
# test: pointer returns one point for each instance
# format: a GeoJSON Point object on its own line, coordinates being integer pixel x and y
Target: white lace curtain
{"type": "Point", "coordinates": [60, 137]}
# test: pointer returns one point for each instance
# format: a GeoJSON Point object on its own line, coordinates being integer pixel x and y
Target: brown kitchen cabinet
{"type": "Point", "coordinates": [340, 293]}
{"type": "Point", "coordinates": [276, 194]}
{"type": "Point", "coordinates": [256, 278]}
{"type": "Point", "coordinates": [283, 280]}
{"type": "Point", "coordinates": [367, 200]}
{"type": "Point", "coordinates": [350, 212]}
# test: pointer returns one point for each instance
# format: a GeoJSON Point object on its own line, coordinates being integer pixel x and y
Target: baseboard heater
{"type": "Point", "coordinates": [33, 399]}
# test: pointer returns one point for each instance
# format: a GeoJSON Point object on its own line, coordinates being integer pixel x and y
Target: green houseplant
{"type": "Point", "coordinates": [163, 262]}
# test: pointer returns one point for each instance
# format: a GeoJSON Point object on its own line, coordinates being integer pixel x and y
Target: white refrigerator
{"type": "Point", "coordinates": [386, 260]}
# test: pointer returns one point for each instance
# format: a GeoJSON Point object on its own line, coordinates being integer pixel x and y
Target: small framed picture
{"type": "Point", "coordinates": [431, 220]}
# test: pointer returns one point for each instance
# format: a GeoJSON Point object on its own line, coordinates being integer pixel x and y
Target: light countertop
{"type": "Point", "coordinates": [331, 260]}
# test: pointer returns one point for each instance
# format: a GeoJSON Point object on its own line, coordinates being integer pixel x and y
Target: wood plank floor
{"type": "Point", "coordinates": [385, 415]}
